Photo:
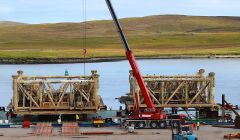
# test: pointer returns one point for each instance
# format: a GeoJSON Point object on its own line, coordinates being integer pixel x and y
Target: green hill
{"type": "Point", "coordinates": [148, 36]}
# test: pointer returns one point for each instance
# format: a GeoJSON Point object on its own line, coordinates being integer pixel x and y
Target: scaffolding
{"type": "Point", "coordinates": [42, 95]}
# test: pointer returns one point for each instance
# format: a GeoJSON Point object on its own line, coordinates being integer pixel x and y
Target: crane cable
{"type": "Point", "coordinates": [84, 31]}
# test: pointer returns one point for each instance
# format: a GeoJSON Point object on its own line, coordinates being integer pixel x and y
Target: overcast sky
{"type": "Point", "coordinates": [50, 11]}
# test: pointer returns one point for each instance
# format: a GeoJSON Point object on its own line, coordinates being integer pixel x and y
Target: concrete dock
{"type": "Point", "coordinates": [205, 133]}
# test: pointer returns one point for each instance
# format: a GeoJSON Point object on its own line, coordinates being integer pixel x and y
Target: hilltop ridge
{"type": "Point", "coordinates": [158, 35]}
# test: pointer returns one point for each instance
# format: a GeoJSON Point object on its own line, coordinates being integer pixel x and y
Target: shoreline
{"type": "Point", "coordinates": [107, 59]}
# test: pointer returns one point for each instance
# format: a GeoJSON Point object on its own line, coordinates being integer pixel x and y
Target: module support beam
{"type": "Point", "coordinates": [198, 93]}
{"type": "Point", "coordinates": [170, 98]}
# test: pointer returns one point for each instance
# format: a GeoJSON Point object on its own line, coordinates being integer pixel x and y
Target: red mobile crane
{"type": "Point", "coordinates": [150, 117]}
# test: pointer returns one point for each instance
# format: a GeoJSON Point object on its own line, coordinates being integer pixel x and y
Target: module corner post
{"type": "Point", "coordinates": [96, 97]}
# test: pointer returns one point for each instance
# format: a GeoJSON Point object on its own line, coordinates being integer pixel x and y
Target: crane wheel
{"type": "Point", "coordinates": [154, 125]}
{"type": "Point", "coordinates": [132, 124]}
{"type": "Point", "coordinates": [141, 125]}
{"type": "Point", "coordinates": [175, 124]}
{"type": "Point", "coordinates": [162, 125]}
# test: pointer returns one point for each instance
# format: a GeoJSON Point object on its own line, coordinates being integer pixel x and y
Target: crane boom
{"type": "Point", "coordinates": [131, 59]}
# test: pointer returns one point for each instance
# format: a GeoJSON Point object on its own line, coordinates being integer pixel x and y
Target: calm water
{"type": "Point", "coordinates": [114, 75]}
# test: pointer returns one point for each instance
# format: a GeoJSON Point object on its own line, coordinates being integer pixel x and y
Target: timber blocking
{"type": "Point", "coordinates": [40, 95]}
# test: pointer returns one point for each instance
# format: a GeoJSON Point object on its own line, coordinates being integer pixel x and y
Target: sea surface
{"type": "Point", "coordinates": [114, 75]}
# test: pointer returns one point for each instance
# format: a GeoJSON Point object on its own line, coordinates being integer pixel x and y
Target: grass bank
{"type": "Point", "coordinates": [153, 36]}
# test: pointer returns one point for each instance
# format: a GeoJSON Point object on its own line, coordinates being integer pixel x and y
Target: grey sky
{"type": "Point", "coordinates": [46, 11]}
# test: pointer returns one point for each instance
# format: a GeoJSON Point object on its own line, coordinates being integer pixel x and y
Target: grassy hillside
{"type": "Point", "coordinates": [148, 36]}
